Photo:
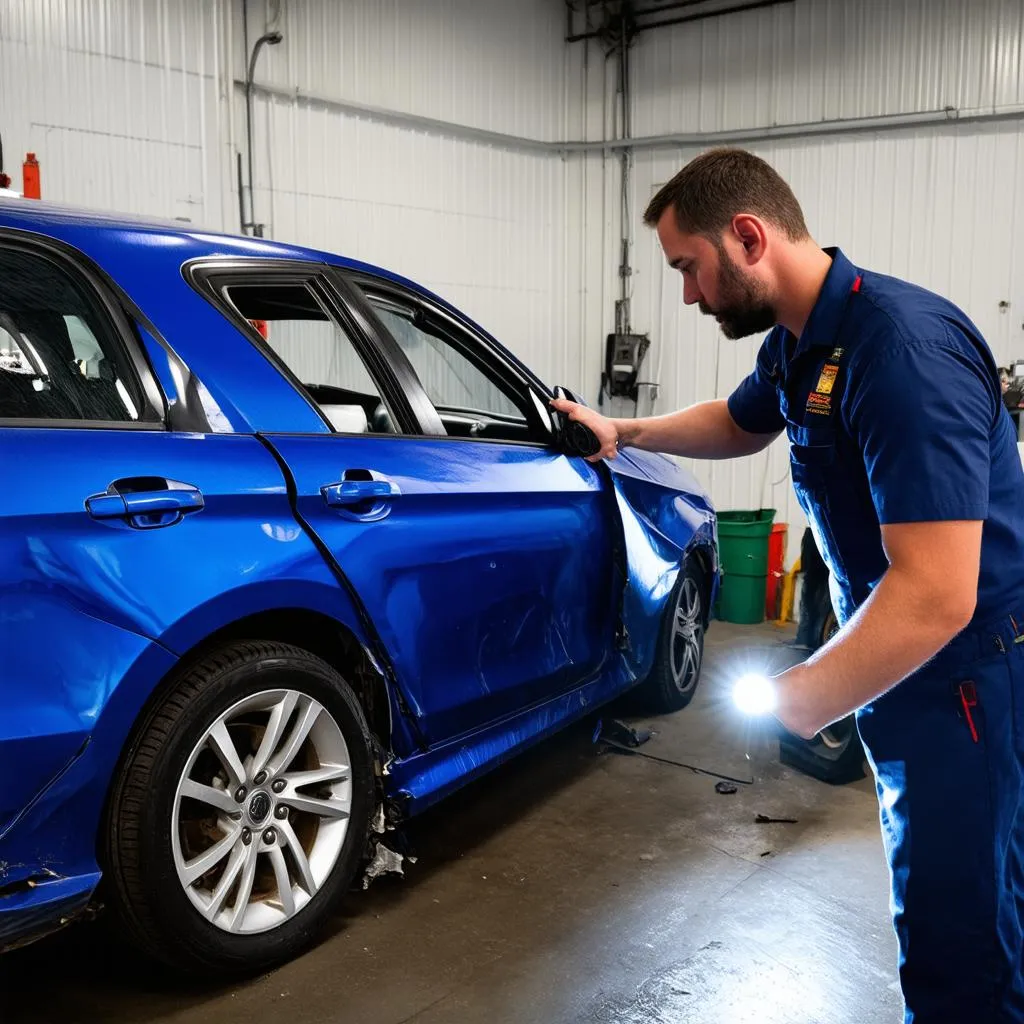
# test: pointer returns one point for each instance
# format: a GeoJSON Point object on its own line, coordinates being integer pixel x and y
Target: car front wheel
{"type": "Point", "coordinates": [242, 813]}
{"type": "Point", "coordinates": [680, 651]}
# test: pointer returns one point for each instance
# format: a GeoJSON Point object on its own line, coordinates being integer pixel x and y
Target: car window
{"type": "Point", "coordinates": [60, 355]}
{"type": "Point", "coordinates": [452, 383]}
{"type": "Point", "coordinates": [317, 352]}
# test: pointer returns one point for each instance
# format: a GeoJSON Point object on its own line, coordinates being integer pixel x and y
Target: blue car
{"type": "Point", "coordinates": [291, 549]}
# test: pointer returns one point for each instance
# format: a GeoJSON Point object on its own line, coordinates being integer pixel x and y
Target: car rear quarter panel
{"type": "Point", "coordinates": [94, 614]}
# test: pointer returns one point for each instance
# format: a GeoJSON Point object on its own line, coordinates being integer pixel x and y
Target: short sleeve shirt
{"type": "Point", "coordinates": [892, 405]}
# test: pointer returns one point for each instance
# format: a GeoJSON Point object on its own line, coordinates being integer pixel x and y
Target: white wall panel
{"type": "Point", "coordinates": [817, 60]}
{"type": "Point", "coordinates": [483, 227]}
{"type": "Point", "coordinates": [495, 65]}
{"type": "Point", "coordinates": [118, 100]}
{"type": "Point", "coordinates": [132, 105]}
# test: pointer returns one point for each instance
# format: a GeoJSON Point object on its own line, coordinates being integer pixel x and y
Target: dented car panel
{"type": "Point", "coordinates": [511, 589]}
{"type": "Point", "coordinates": [666, 519]}
{"type": "Point", "coordinates": [489, 583]}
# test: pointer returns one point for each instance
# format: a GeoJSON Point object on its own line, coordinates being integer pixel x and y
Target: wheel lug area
{"type": "Point", "coordinates": [278, 785]}
{"type": "Point", "coordinates": [246, 836]}
{"type": "Point", "coordinates": [261, 777]}
{"type": "Point", "coordinates": [281, 811]}
{"type": "Point", "coordinates": [240, 794]}
{"type": "Point", "coordinates": [270, 836]}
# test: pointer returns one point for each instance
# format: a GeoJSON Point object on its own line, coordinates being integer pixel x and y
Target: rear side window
{"type": "Point", "coordinates": [318, 353]}
{"type": "Point", "coordinates": [60, 356]}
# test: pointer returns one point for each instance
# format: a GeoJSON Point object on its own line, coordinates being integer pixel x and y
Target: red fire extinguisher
{"type": "Point", "coordinates": [30, 177]}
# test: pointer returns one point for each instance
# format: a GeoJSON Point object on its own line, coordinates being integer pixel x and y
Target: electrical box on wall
{"type": "Point", "coordinates": [623, 356]}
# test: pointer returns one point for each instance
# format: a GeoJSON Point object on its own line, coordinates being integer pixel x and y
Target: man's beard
{"type": "Point", "coordinates": [743, 308]}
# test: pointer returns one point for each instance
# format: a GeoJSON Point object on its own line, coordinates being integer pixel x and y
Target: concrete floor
{"type": "Point", "coordinates": [569, 887]}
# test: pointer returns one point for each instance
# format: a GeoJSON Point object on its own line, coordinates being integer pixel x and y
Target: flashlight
{"type": "Point", "coordinates": [754, 695]}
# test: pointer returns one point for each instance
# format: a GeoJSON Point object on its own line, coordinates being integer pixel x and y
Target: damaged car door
{"type": "Point", "coordinates": [482, 556]}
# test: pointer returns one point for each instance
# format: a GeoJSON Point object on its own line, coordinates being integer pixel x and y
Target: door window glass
{"type": "Point", "coordinates": [319, 354]}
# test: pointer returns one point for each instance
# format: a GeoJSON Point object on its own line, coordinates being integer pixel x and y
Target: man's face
{"type": "Point", "coordinates": [713, 279]}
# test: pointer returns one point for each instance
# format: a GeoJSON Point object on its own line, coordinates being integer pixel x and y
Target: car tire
{"type": "Point", "coordinates": [679, 655]}
{"type": "Point", "coordinates": [294, 840]}
{"type": "Point", "coordinates": [835, 755]}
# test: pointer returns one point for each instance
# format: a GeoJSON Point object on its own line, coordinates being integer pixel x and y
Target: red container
{"type": "Point", "coordinates": [30, 177]}
{"type": "Point", "coordinates": [776, 569]}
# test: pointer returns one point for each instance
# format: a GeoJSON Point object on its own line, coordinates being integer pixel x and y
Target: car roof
{"type": "Point", "coordinates": [67, 223]}
{"type": "Point", "coordinates": [130, 243]}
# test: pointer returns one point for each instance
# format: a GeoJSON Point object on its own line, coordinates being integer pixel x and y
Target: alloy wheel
{"type": "Point", "coordinates": [261, 811]}
{"type": "Point", "coordinates": [687, 636]}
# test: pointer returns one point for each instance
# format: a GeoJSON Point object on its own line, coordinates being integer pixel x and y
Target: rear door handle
{"type": "Point", "coordinates": [146, 509]}
{"type": "Point", "coordinates": [362, 495]}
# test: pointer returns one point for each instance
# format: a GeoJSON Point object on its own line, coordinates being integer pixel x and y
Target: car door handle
{"type": "Point", "coordinates": [365, 497]}
{"type": "Point", "coordinates": [146, 509]}
{"type": "Point", "coordinates": [352, 492]}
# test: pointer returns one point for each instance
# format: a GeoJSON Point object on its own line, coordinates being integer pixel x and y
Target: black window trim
{"type": "Point", "coordinates": [476, 347]}
{"type": "Point", "coordinates": [386, 363]}
{"type": "Point", "coordinates": [86, 275]}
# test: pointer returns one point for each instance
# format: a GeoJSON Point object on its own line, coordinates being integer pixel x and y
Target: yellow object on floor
{"type": "Point", "coordinates": [788, 593]}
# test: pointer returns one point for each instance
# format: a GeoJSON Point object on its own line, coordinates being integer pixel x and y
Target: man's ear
{"type": "Point", "coordinates": [751, 233]}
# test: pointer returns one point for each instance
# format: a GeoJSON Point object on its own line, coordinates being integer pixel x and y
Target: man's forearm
{"type": "Point", "coordinates": [894, 632]}
{"type": "Point", "coordinates": [703, 431]}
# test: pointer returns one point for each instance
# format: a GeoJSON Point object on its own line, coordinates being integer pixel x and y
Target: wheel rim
{"type": "Point", "coordinates": [687, 634]}
{"type": "Point", "coordinates": [261, 811]}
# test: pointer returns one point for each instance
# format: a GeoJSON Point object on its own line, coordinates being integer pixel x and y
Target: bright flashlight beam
{"type": "Point", "coordinates": [754, 695]}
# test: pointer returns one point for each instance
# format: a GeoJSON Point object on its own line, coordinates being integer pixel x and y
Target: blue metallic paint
{"type": "Point", "coordinates": [95, 614]}
{"type": "Point", "coordinates": [482, 612]}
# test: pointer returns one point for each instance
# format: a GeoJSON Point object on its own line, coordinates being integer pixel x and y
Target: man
{"type": "Point", "coordinates": [905, 462]}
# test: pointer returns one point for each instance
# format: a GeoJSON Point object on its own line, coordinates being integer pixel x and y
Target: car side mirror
{"type": "Point", "coordinates": [571, 437]}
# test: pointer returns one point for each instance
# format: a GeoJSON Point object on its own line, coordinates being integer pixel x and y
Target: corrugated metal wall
{"type": "Point", "coordinates": [937, 204]}
{"type": "Point", "coordinates": [485, 225]}
{"type": "Point", "coordinates": [136, 105]}
{"type": "Point", "coordinates": [119, 100]}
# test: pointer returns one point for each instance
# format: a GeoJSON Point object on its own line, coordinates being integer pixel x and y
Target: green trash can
{"type": "Point", "coordinates": [743, 549]}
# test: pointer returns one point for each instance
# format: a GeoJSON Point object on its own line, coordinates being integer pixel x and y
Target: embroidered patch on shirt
{"type": "Point", "coordinates": [821, 404]}
{"type": "Point", "coordinates": [827, 379]}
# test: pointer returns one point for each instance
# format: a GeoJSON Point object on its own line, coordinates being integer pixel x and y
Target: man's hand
{"type": "Point", "coordinates": [604, 429]}
{"type": "Point", "coordinates": [927, 596]}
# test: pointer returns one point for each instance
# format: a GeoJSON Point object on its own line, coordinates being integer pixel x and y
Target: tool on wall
{"type": "Point", "coordinates": [623, 356]}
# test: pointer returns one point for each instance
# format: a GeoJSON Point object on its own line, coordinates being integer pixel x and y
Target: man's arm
{"type": "Point", "coordinates": [703, 431]}
{"type": "Point", "coordinates": [745, 423]}
{"type": "Point", "coordinates": [920, 604]}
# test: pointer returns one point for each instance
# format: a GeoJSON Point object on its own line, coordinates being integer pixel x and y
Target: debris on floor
{"type": "Point", "coordinates": [626, 738]}
{"type": "Point", "coordinates": [618, 733]}
{"type": "Point", "coordinates": [763, 819]}
{"type": "Point", "coordinates": [725, 788]}
{"type": "Point", "coordinates": [384, 861]}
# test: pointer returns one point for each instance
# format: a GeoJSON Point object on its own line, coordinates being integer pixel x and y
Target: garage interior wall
{"type": "Point", "coordinates": [138, 106]}
{"type": "Point", "coordinates": [427, 137]}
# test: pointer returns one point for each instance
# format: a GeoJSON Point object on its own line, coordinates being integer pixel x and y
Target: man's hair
{"type": "Point", "coordinates": [717, 185]}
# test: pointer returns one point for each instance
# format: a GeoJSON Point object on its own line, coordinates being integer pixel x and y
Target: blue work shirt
{"type": "Point", "coordinates": [892, 405]}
